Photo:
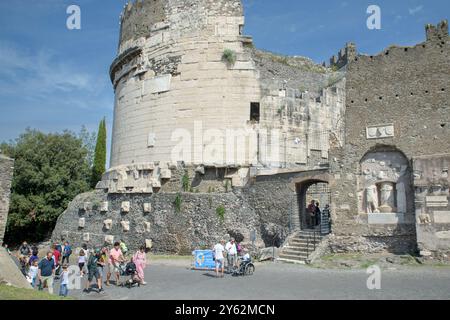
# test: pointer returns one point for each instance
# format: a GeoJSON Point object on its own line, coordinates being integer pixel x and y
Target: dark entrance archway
{"type": "Point", "coordinates": [310, 186]}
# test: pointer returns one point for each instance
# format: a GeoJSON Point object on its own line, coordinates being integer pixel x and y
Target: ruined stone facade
{"type": "Point", "coordinates": [179, 99]}
{"type": "Point", "coordinates": [186, 80]}
{"type": "Point", "coordinates": [6, 174]}
{"type": "Point", "coordinates": [397, 110]}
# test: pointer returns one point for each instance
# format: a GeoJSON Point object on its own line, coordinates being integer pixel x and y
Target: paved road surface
{"type": "Point", "coordinates": [168, 281]}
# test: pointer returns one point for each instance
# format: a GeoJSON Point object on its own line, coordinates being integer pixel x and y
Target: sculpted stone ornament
{"type": "Point", "coordinates": [380, 132]}
{"type": "Point", "coordinates": [108, 224]}
{"type": "Point", "coordinates": [424, 219]}
{"type": "Point", "coordinates": [109, 239]}
{"type": "Point", "coordinates": [372, 199]}
{"type": "Point", "coordinates": [135, 174]}
{"type": "Point", "coordinates": [125, 207]}
{"type": "Point", "coordinates": [147, 207]}
{"type": "Point", "coordinates": [387, 197]}
{"type": "Point", "coordinates": [125, 226]}
{"type": "Point", "coordinates": [104, 207]}
{"type": "Point", "coordinates": [81, 223]}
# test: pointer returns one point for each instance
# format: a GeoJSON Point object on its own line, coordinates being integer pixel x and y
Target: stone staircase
{"type": "Point", "coordinates": [300, 246]}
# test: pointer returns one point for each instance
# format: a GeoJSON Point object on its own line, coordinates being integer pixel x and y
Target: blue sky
{"type": "Point", "coordinates": [53, 79]}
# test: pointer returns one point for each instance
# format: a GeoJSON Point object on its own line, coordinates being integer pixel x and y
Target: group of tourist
{"type": "Point", "coordinates": [231, 250]}
{"type": "Point", "coordinates": [94, 263]}
{"type": "Point", "coordinates": [314, 214]}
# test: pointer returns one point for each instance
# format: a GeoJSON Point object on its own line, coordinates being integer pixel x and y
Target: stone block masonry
{"type": "Point", "coordinates": [6, 174]}
{"type": "Point", "coordinates": [187, 82]}
{"type": "Point", "coordinates": [397, 110]}
{"type": "Point", "coordinates": [195, 225]}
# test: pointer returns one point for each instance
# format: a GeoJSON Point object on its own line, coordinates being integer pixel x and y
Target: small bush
{"type": "Point", "coordinates": [220, 211]}
{"type": "Point", "coordinates": [185, 182]}
{"type": "Point", "coordinates": [229, 56]}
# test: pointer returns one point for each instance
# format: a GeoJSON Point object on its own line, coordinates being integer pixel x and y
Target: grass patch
{"type": "Point", "coordinates": [368, 263]}
{"type": "Point", "coordinates": [13, 293]}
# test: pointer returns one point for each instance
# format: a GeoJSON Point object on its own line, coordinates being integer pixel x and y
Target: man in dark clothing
{"type": "Point", "coordinates": [25, 249]}
{"type": "Point", "coordinates": [318, 214]}
{"type": "Point", "coordinates": [34, 257]}
{"type": "Point", "coordinates": [46, 272]}
{"type": "Point", "coordinates": [67, 251]}
{"type": "Point", "coordinates": [312, 214]}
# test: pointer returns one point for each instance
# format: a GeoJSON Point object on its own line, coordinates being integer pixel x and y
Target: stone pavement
{"type": "Point", "coordinates": [175, 281]}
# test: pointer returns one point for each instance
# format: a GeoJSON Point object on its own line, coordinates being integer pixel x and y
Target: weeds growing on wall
{"type": "Point", "coordinates": [220, 211]}
{"type": "Point", "coordinates": [177, 203]}
{"type": "Point", "coordinates": [185, 182]}
{"type": "Point", "coordinates": [229, 56]}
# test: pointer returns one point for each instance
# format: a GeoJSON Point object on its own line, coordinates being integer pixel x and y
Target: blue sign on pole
{"type": "Point", "coordinates": [204, 260]}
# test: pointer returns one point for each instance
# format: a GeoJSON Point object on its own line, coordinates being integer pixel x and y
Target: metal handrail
{"type": "Point", "coordinates": [314, 239]}
{"type": "Point", "coordinates": [307, 247]}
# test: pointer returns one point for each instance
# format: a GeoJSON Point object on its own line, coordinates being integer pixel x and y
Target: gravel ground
{"type": "Point", "coordinates": [173, 280]}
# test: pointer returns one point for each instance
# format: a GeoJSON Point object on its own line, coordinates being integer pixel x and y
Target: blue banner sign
{"type": "Point", "coordinates": [204, 260]}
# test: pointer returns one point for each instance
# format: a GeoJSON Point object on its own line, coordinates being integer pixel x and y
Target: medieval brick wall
{"type": "Point", "coordinates": [397, 102]}
{"type": "Point", "coordinates": [6, 173]}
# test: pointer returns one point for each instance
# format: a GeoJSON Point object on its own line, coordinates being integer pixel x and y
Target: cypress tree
{"type": "Point", "coordinates": [99, 166]}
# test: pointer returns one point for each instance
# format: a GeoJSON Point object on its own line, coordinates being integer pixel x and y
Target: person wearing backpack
{"type": "Point", "coordinates": [67, 251]}
{"type": "Point", "coordinates": [93, 271]}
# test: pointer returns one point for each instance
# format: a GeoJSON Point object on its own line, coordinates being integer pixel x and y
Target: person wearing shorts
{"type": "Point", "coordinates": [93, 271]}
{"type": "Point", "coordinates": [219, 258]}
{"type": "Point", "coordinates": [115, 258]}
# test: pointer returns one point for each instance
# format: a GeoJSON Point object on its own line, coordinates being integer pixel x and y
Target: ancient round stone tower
{"type": "Point", "coordinates": [181, 71]}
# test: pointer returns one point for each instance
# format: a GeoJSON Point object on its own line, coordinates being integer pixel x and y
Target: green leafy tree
{"type": "Point", "coordinates": [49, 171]}
{"type": "Point", "coordinates": [88, 139]}
{"type": "Point", "coordinates": [99, 166]}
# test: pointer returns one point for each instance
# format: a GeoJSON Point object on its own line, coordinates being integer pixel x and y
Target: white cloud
{"type": "Point", "coordinates": [41, 74]}
{"type": "Point", "coordinates": [413, 11]}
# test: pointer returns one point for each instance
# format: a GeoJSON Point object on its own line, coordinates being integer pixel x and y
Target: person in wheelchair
{"type": "Point", "coordinates": [245, 265]}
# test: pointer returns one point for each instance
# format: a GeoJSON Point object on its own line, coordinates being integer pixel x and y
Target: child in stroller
{"type": "Point", "coordinates": [129, 269]}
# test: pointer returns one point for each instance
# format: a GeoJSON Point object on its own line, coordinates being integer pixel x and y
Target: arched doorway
{"type": "Point", "coordinates": [313, 186]}
{"type": "Point", "coordinates": [309, 194]}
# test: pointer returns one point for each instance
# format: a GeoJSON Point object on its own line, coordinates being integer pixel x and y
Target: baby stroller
{"type": "Point", "coordinates": [246, 268]}
{"type": "Point", "coordinates": [129, 270]}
